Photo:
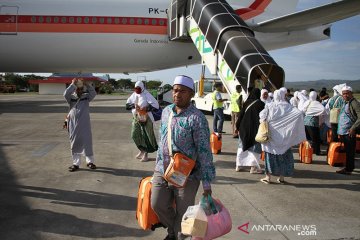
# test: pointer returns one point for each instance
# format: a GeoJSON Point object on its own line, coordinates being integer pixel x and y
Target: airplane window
{"type": "Point", "coordinates": [63, 19]}
{"type": "Point", "coordinates": [109, 20]}
{"type": "Point", "coordinates": [139, 21]}
{"type": "Point", "coordinates": [117, 20]}
{"type": "Point", "coordinates": [132, 21]}
{"type": "Point", "coordinates": [33, 19]}
{"type": "Point", "coordinates": [41, 19]}
{"type": "Point", "coordinates": [102, 20]}
{"type": "Point", "coordinates": [94, 20]}
{"type": "Point", "coordinates": [161, 22]}
{"type": "Point", "coordinates": [153, 22]}
{"type": "Point", "coordinates": [78, 19]}
{"type": "Point", "coordinates": [71, 20]}
{"type": "Point", "coordinates": [124, 21]}
{"type": "Point", "coordinates": [56, 19]}
{"type": "Point", "coordinates": [86, 20]}
{"type": "Point", "coordinates": [146, 21]}
{"type": "Point", "coordinates": [48, 19]}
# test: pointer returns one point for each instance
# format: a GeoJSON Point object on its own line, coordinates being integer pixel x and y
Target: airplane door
{"type": "Point", "coordinates": [9, 20]}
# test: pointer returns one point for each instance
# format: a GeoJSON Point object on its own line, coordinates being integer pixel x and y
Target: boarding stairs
{"type": "Point", "coordinates": [227, 46]}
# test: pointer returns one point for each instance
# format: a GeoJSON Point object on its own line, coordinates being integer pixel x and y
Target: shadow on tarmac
{"type": "Point", "coordinates": [18, 221]}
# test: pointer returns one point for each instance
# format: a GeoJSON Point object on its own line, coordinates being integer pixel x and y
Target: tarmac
{"type": "Point", "coordinates": [41, 199]}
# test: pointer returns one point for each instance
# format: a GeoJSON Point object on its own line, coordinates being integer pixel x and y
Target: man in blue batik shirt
{"type": "Point", "coordinates": [190, 136]}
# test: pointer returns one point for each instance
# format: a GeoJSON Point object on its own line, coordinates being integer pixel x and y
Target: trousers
{"type": "Point", "coordinates": [170, 203]}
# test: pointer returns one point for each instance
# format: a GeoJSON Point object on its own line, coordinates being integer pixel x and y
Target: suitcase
{"type": "Point", "coordinates": [145, 215]}
{"type": "Point", "coordinates": [336, 154]}
{"type": "Point", "coordinates": [305, 152]}
{"type": "Point", "coordinates": [215, 143]}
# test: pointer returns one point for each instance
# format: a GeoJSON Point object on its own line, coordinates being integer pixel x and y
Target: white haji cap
{"type": "Point", "coordinates": [347, 88]}
{"type": "Point", "coordinates": [185, 81]}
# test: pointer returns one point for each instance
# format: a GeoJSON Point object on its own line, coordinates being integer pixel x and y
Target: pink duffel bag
{"type": "Point", "coordinates": [219, 223]}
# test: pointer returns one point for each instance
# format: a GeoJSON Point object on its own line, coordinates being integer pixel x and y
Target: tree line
{"type": "Point", "coordinates": [21, 83]}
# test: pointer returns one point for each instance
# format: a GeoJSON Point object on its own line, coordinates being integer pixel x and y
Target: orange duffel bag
{"type": "Point", "coordinates": [305, 152]}
{"type": "Point", "coordinates": [179, 169]}
{"type": "Point", "coordinates": [145, 215]}
{"type": "Point", "coordinates": [336, 154]}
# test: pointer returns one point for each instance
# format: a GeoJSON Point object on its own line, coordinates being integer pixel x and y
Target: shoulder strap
{"type": "Point", "coordinates": [250, 105]}
{"type": "Point", "coordinates": [337, 99]}
{"type": "Point", "coordinates": [169, 132]}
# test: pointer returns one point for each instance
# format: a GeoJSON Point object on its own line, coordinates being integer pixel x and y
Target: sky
{"type": "Point", "coordinates": [337, 58]}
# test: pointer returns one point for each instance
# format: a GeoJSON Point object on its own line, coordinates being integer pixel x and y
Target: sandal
{"type": "Point", "coordinates": [343, 171]}
{"type": "Point", "coordinates": [280, 181]}
{"type": "Point", "coordinates": [73, 168]}
{"type": "Point", "coordinates": [91, 166]}
{"type": "Point", "coordinates": [265, 180]}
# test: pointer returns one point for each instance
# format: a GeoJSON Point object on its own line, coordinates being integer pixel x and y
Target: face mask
{"type": "Point", "coordinates": [138, 90]}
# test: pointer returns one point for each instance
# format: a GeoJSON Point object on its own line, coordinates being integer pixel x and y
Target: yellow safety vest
{"type": "Point", "coordinates": [217, 104]}
{"type": "Point", "coordinates": [234, 106]}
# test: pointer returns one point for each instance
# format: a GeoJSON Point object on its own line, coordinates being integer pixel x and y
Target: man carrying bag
{"type": "Point", "coordinates": [190, 136]}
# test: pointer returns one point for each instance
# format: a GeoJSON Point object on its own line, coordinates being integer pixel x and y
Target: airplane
{"type": "Point", "coordinates": [131, 36]}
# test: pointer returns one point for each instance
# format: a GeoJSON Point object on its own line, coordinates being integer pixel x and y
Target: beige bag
{"type": "Point", "coordinates": [262, 135]}
{"type": "Point", "coordinates": [334, 113]}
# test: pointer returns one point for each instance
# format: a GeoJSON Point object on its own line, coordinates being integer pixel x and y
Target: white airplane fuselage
{"type": "Point", "coordinates": [109, 36]}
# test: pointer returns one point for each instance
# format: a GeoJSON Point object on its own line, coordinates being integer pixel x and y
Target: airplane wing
{"type": "Point", "coordinates": [312, 17]}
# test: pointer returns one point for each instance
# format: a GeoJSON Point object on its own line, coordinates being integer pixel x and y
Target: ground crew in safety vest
{"type": "Point", "coordinates": [218, 107]}
{"type": "Point", "coordinates": [235, 106]}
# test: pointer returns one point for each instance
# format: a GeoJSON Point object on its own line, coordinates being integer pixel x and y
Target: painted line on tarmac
{"type": "Point", "coordinates": [45, 149]}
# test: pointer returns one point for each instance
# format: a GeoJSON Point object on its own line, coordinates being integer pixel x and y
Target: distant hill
{"type": "Point", "coordinates": [319, 84]}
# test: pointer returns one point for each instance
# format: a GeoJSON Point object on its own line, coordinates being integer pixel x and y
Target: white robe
{"type": "Point", "coordinates": [286, 127]}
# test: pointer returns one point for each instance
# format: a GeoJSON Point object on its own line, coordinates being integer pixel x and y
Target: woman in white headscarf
{"type": "Point", "coordinates": [286, 129]}
{"type": "Point", "coordinates": [271, 96]}
{"type": "Point", "coordinates": [312, 110]}
{"type": "Point", "coordinates": [265, 96]}
{"type": "Point", "coordinates": [294, 101]}
{"type": "Point", "coordinates": [141, 102]}
{"type": "Point", "coordinates": [335, 102]}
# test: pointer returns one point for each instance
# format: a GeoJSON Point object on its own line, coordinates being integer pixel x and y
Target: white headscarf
{"type": "Point", "coordinates": [304, 92]}
{"type": "Point", "coordinates": [286, 125]}
{"type": "Point", "coordinates": [338, 88]}
{"type": "Point", "coordinates": [261, 96]}
{"type": "Point", "coordinates": [143, 99]}
{"type": "Point", "coordinates": [277, 96]}
{"type": "Point", "coordinates": [294, 101]}
{"type": "Point", "coordinates": [312, 107]}
{"type": "Point", "coordinates": [271, 96]}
